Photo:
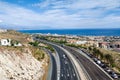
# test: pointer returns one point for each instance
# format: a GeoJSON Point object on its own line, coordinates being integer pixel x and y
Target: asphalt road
{"type": "Point", "coordinates": [67, 71]}
{"type": "Point", "coordinates": [54, 67]}
{"type": "Point", "coordinates": [94, 72]}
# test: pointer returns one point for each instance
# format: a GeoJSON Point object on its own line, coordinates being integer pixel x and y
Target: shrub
{"type": "Point", "coordinates": [34, 43]}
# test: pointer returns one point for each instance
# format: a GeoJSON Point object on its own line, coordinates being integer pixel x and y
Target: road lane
{"type": "Point", "coordinates": [67, 70]}
{"type": "Point", "coordinates": [94, 72]}
{"type": "Point", "coordinates": [54, 67]}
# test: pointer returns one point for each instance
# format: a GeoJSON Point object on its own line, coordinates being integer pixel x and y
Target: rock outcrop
{"type": "Point", "coordinates": [15, 65]}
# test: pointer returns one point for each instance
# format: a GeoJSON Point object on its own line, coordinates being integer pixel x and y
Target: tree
{"type": "Point", "coordinates": [109, 59]}
{"type": "Point", "coordinates": [98, 53]}
{"type": "Point", "coordinates": [34, 43]}
{"type": "Point", "coordinates": [95, 52]}
{"type": "Point", "coordinates": [101, 56]}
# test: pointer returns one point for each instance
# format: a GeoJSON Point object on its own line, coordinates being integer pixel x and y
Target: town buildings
{"type": "Point", "coordinates": [9, 42]}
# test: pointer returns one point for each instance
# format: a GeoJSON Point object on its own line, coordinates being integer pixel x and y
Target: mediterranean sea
{"type": "Point", "coordinates": [78, 32]}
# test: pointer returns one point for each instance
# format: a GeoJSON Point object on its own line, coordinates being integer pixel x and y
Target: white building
{"type": "Point", "coordinates": [5, 42]}
{"type": "Point", "coordinates": [81, 42]}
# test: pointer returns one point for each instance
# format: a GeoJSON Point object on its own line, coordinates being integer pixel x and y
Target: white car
{"type": "Point", "coordinates": [66, 62]}
{"type": "Point", "coordinates": [98, 62]}
{"type": "Point", "coordinates": [63, 56]}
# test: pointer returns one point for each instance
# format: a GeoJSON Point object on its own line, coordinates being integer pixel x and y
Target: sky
{"type": "Point", "coordinates": [59, 14]}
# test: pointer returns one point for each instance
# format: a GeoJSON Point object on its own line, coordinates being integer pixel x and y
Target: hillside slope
{"type": "Point", "coordinates": [19, 63]}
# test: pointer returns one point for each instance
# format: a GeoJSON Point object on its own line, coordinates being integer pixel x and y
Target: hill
{"type": "Point", "coordinates": [23, 62]}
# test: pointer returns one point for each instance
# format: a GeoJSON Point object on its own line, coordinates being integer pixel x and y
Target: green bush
{"type": "Point", "coordinates": [50, 48]}
{"type": "Point", "coordinates": [34, 43]}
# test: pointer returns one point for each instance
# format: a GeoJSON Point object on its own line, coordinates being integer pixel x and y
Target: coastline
{"type": "Point", "coordinates": [76, 32]}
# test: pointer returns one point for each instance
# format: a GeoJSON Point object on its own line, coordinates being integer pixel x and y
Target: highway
{"type": "Point", "coordinates": [67, 71]}
{"type": "Point", "coordinates": [67, 68]}
{"type": "Point", "coordinates": [94, 72]}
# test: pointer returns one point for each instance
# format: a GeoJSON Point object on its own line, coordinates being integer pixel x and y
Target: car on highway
{"type": "Point", "coordinates": [102, 65]}
{"type": "Point", "coordinates": [90, 55]}
{"type": "Point", "coordinates": [111, 73]}
{"type": "Point", "coordinates": [74, 74]}
{"type": "Point", "coordinates": [114, 76]}
{"type": "Point", "coordinates": [66, 62]}
{"type": "Point", "coordinates": [108, 70]}
{"type": "Point", "coordinates": [95, 59]}
{"type": "Point", "coordinates": [98, 62]}
{"type": "Point", "coordinates": [63, 56]}
{"type": "Point", "coordinates": [68, 75]}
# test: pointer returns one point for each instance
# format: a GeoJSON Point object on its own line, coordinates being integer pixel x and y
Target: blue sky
{"type": "Point", "coordinates": [59, 14]}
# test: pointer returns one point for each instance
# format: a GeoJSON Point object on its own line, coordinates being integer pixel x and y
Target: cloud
{"type": "Point", "coordinates": [43, 4]}
{"type": "Point", "coordinates": [1, 21]}
{"type": "Point", "coordinates": [78, 4]}
{"type": "Point", "coordinates": [61, 14]}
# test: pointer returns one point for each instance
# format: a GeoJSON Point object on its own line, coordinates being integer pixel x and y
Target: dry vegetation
{"type": "Point", "coordinates": [116, 58]}
{"type": "Point", "coordinates": [114, 62]}
{"type": "Point", "coordinates": [25, 39]}
{"type": "Point", "coordinates": [39, 54]}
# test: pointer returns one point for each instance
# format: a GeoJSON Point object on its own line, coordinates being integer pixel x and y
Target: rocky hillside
{"type": "Point", "coordinates": [19, 63]}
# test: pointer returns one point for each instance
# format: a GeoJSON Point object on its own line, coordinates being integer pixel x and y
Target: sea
{"type": "Point", "coordinates": [78, 32]}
